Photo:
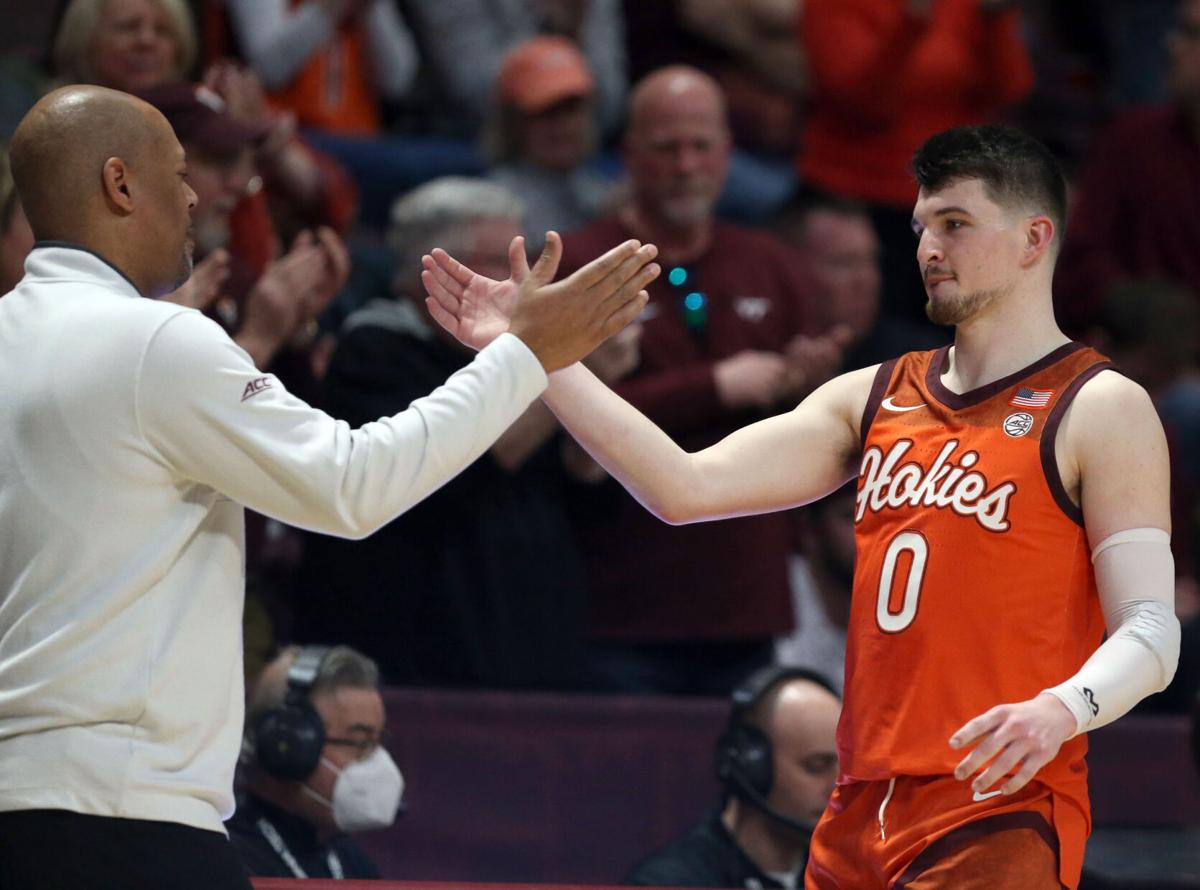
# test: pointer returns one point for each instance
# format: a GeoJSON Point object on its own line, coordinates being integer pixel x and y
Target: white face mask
{"type": "Point", "coordinates": [367, 793]}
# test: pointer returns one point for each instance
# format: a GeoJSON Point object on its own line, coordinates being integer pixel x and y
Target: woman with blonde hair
{"type": "Point", "coordinates": [128, 45]}
{"type": "Point", "coordinates": [142, 46]}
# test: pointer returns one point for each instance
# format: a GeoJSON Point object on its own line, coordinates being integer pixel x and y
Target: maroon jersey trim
{"type": "Point", "coordinates": [1050, 433]}
{"type": "Point", "coordinates": [879, 387]}
{"type": "Point", "coordinates": [959, 401]}
{"type": "Point", "coordinates": [973, 831]}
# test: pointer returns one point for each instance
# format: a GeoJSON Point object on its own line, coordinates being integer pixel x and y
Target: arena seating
{"type": "Point", "coordinates": [537, 788]}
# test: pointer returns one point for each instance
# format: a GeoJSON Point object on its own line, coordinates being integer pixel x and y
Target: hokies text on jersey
{"type": "Point", "coordinates": [950, 482]}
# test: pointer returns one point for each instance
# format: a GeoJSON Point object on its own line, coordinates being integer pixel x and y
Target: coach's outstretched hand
{"type": "Point", "coordinates": [560, 322]}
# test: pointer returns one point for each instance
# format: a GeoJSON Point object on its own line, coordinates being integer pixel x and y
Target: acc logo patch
{"type": "Point", "coordinates": [254, 387]}
{"type": "Point", "coordinates": [1018, 424]}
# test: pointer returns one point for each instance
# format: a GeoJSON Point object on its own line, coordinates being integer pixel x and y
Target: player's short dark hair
{"type": "Point", "coordinates": [1015, 168]}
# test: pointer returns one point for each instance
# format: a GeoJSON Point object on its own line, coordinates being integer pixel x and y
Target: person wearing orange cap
{"type": "Point", "coordinates": [464, 44]}
{"type": "Point", "coordinates": [540, 134]}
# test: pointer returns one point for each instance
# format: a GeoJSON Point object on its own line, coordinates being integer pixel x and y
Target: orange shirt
{"type": "Point", "coordinates": [332, 92]}
{"type": "Point", "coordinates": [885, 81]}
{"type": "Point", "coordinates": [973, 585]}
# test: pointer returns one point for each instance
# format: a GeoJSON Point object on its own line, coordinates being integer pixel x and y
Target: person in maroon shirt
{"type": "Point", "coordinates": [1137, 212]}
{"type": "Point", "coordinates": [694, 609]}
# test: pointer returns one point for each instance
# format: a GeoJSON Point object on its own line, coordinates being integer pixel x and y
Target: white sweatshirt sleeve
{"type": "Point", "coordinates": [213, 418]}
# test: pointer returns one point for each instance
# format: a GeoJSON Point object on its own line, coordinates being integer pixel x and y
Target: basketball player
{"type": "Point", "coordinates": [1012, 504]}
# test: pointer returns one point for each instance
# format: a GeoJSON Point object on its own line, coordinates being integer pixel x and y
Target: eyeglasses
{"type": "Point", "coordinates": [365, 746]}
{"type": "Point", "coordinates": [693, 301]}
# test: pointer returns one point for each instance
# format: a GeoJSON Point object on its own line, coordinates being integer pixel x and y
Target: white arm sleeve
{"type": "Point", "coordinates": [1135, 575]}
{"type": "Point", "coordinates": [211, 417]}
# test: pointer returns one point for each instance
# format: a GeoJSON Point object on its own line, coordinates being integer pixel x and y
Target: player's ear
{"type": "Point", "coordinates": [1039, 236]}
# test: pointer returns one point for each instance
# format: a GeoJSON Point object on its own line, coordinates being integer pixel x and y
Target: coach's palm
{"type": "Point", "coordinates": [476, 309]}
{"type": "Point", "coordinates": [560, 322]}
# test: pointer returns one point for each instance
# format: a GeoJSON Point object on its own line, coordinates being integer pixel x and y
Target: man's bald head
{"type": "Point", "coordinates": [101, 169]}
{"type": "Point", "coordinates": [676, 88]}
{"type": "Point", "coordinates": [677, 149]}
{"type": "Point", "coordinates": [799, 716]}
{"type": "Point", "coordinates": [59, 151]}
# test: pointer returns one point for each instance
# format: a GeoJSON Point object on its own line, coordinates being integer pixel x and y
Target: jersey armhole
{"type": "Point", "coordinates": [879, 386]}
{"type": "Point", "coordinates": [1048, 452]}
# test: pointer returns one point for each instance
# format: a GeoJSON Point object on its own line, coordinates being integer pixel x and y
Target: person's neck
{"type": "Point", "coordinates": [1006, 337]}
{"type": "Point", "coordinates": [760, 839]}
{"type": "Point", "coordinates": [676, 244]}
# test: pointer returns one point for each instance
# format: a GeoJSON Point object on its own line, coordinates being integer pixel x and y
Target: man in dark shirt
{"type": "Point", "coordinates": [313, 767]}
{"type": "Point", "coordinates": [479, 585]}
{"type": "Point", "coordinates": [692, 610]}
{"type": "Point", "coordinates": [777, 763]}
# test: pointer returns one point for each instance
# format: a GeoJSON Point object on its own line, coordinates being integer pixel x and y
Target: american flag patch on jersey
{"type": "Point", "coordinates": [1032, 398]}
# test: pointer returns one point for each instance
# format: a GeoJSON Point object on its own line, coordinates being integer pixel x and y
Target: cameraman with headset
{"type": "Point", "coordinates": [314, 768]}
{"type": "Point", "coordinates": [777, 763]}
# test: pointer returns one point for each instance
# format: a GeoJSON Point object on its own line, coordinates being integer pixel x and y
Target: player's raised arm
{"type": "Point", "coordinates": [773, 464]}
{"type": "Point", "coordinates": [776, 463]}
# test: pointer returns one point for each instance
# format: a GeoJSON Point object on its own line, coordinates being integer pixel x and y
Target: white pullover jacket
{"type": "Point", "coordinates": [131, 434]}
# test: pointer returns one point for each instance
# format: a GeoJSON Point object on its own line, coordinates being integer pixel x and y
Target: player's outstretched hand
{"type": "Point", "coordinates": [1024, 736]}
{"type": "Point", "coordinates": [560, 322]}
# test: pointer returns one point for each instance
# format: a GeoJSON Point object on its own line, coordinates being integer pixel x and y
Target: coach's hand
{"type": "Point", "coordinates": [1027, 735]}
{"type": "Point", "coordinates": [560, 322]}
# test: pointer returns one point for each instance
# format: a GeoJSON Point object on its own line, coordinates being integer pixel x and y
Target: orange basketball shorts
{"type": "Point", "coordinates": [934, 833]}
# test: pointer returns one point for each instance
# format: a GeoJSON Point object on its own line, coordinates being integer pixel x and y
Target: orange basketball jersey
{"type": "Point", "coordinates": [973, 585]}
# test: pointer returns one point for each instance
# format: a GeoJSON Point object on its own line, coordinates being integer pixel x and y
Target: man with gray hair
{"type": "Point", "coordinates": [480, 584]}
{"type": "Point", "coordinates": [314, 768]}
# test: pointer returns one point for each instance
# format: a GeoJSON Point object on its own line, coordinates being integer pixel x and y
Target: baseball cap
{"type": "Point", "coordinates": [200, 118]}
{"type": "Point", "coordinates": [542, 71]}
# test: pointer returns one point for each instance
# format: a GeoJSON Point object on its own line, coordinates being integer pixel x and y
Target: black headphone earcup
{"type": "Point", "coordinates": [745, 759]}
{"type": "Point", "coordinates": [288, 740]}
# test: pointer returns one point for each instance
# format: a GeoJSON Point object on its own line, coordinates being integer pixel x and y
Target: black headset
{"type": "Point", "coordinates": [289, 737]}
{"type": "Point", "coordinates": [745, 761]}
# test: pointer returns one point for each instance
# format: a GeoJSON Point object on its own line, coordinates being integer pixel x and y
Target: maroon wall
{"type": "Point", "coordinates": [540, 788]}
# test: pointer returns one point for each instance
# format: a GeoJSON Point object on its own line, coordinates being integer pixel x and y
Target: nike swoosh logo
{"type": "Point", "coordinates": [892, 406]}
{"type": "Point", "coordinates": [977, 796]}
